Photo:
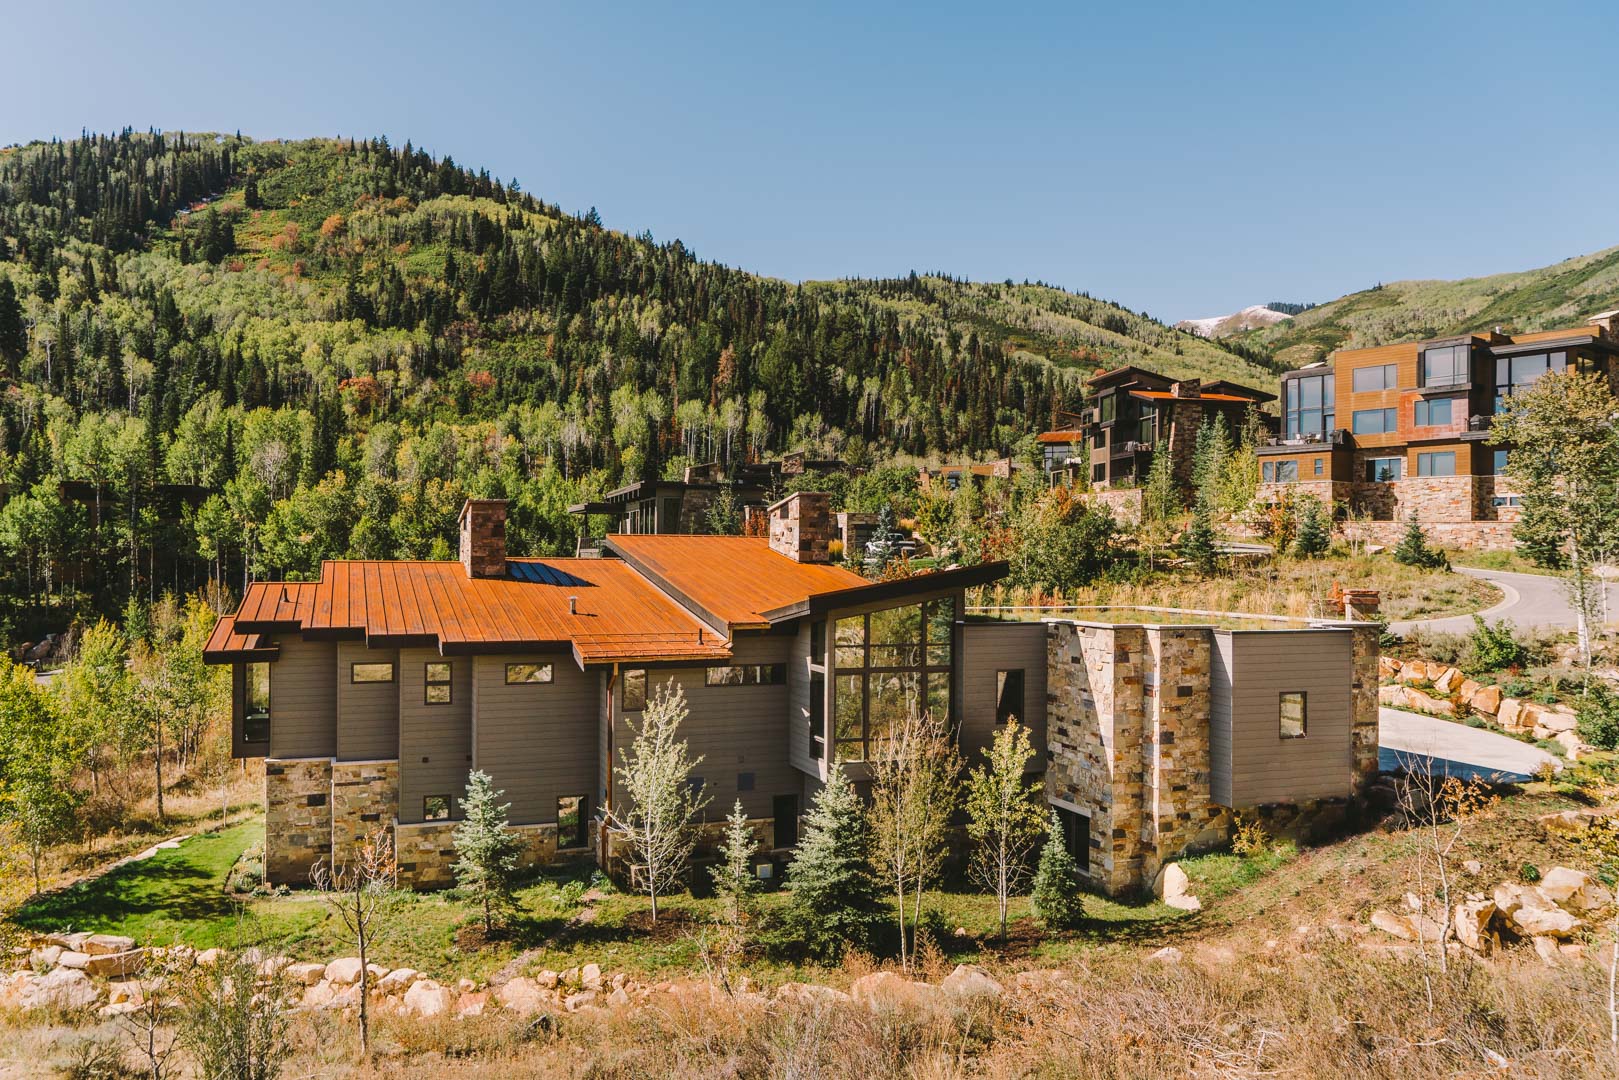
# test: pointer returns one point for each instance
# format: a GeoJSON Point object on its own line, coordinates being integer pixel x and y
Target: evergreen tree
{"type": "Point", "coordinates": [1413, 549]}
{"type": "Point", "coordinates": [1057, 883]}
{"type": "Point", "coordinates": [250, 194]}
{"type": "Point", "coordinates": [883, 546]}
{"type": "Point", "coordinates": [13, 334]}
{"type": "Point", "coordinates": [733, 876]}
{"type": "Point", "coordinates": [1313, 537]}
{"type": "Point", "coordinates": [486, 850]}
{"type": "Point", "coordinates": [1197, 543]}
{"type": "Point", "coordinates": [834, 899]}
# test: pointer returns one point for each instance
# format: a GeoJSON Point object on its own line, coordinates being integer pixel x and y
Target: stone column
{"type": "Point", "coordinates": [1363, 737]}
{"type": "Point", "coordinates": [297, 818]}
{"type": "Point", "coordinates": [1181, 813]}
{"type": "Point", "coordinates": [365, 798]}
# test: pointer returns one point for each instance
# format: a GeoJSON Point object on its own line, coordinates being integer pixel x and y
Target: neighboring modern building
{"type": "Point", "coordinates": [1397, 431]}
{"type": "Point", "coordinates": [1132, 412]}
{"type": "Point", "coordinates": [373, 692]}
{"type": "Point", "coordinates": [950, 477]}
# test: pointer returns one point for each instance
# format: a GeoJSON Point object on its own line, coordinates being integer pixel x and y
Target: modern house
{"type": "Point", "coordinates": [1400, 431]}
{"type": "Point", "coordinates": [373, 692]}
{"type": "Point", "coordinates": [946, 478]}
{"type": "Point", "coordinates": [1132, 413]}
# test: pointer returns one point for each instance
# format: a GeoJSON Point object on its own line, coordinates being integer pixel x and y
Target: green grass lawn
{"type": "Point", "coordinates": [177, 896]}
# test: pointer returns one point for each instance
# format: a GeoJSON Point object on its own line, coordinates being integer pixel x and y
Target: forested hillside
{"type": "Point", "coordinates": [1552, 296]}
{"type": "Point", "coordinates": [239, 358]}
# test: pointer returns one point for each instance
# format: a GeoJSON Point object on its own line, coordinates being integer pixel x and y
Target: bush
{"type": "Point", "coordinates": [1493, 648]}
{"type": "Point", "coordinates": [1598, 717]}
{"type": "Point", "coordinates": [1314, 537]}
{"type": "Point", "coordinates": [1413, 549]}
{"type": "Point", "coordinates": [1056, 893]}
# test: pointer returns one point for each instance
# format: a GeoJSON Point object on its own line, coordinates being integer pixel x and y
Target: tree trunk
{"type": "Point", "coordinates": [365, 1008]}
{"type": "Point", "coordinates": [157, 759]}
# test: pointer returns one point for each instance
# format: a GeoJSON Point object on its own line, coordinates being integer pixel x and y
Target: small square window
{"type": "Point", "coordinates": [744, 781]}
{"type": "Point", "coordinates": [436, 808]}
{"type": "Point", "coordinates": [1294, 714]}
{"type": "Point", "coordinates": [695, 785]}
{"type": "Point", "coordinates": [526, 674]}
{"type": "Point", "coordinates": [1318, 466]}
{"type": "Point", "coordinates": [438, 683]}
{"type": "Point", "coordinates": [371, 673]}
{"type": "Point", "coordinates": [635, 690]}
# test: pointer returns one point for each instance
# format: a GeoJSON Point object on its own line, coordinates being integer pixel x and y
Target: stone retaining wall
{"type": "Point", "coordinates": [1122, 504]}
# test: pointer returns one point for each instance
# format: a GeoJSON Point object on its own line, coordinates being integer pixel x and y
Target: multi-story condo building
{"type": "Point", "coordinates": [372, 693]}
{"type": "Point", "coordinates": [1400, 431]}
{"type": "Point", "coordinates": [1132, 413]}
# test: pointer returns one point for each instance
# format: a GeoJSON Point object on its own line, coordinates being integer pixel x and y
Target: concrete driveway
{"type": "Point", "coordinates": [1528, 601]}
{"type": "Point", "coordinates": [1456, 749]}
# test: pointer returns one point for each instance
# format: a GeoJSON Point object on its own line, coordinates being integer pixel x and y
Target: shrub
{"type": "Point", "coordinates": [1492, 648]}
{"type": "Point", "coordinates": [1413, 549]}
{"type": "Point", "coordinates": [1248, 836]}
{"type": "Point", "coordinates": [1314, 538]}
{"type": "Point", "coordinates": [1529, 872]}
{"type": "Point", "coordinates": [1598, 718]}
{"type": "Point", "coordinates": [1056, 893]}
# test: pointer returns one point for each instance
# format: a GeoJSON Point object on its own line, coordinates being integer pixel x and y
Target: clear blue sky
{"type": "Point", "coordinates": [1186, 159]}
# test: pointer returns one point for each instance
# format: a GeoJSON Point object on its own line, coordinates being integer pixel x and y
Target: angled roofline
{"type": "Point", "coordinates": [1128, 370]}
{"type": "Point", "coordinates": [961, 577]}
{"type": "Point", "coordinates": [664, 585]}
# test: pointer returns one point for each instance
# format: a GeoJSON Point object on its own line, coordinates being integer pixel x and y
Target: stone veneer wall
{"type": "Point", "coordinates": [1473, 535]}
{"type": "Point", "coordinates": [365, 798]}
{"type": "Point", "coordinates": [1363, 705]}
{"type": "Point", "coordinates": [1123, 504]}
{"type": "Point", "coordinates": [710, 835]}
{"type": "Point", "coordinates": [1330, 492]}
{"type": "Point", "coordinates": [1182, 814]}
{"type": "Point", "coordinates": [297, 818]}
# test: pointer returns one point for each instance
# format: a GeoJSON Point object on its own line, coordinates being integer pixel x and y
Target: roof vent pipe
{"type": "Point", "coordinates": [573, 605]}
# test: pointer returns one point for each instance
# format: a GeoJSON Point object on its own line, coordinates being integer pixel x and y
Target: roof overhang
{"type": "Point", "coordinates": [1572, 341]}
{"type": "Point", "coordinates": [963, 577]}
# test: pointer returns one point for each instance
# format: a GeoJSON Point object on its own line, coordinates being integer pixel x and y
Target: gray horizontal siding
{"type": "Point", "coordinates": [435, 741]}
{"type": "Point", "coordinates": [368, 713]}
{"type": "Point", "coordinates": [1266, 768]}
{"type": "Point", "coordinates": [303, 699]}
{"type": "Point", "coordinates": [989, 648]}
{"type": "Point", "coordinates": [538, 742]}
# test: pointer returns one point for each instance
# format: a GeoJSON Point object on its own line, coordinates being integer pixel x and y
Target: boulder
{"type": "Point", "coordinates": [1486, 700]}
{"type": "Point", "coordinates": [306, 974]}
{"type": "Point", "coordinates": [590, 977]}
{"type": "Point", "coordinates": [582, 1000]}
{"type": "Point", "coordinates": [548, 979]}
{"type": "Point", "coordinates": [1465, 692]}
{"type": "Point", "coordinates": [970, 981]}
{"type": "Point", "coordinates": [1387, 667]}
{"type": "Point", "coordinates": [71, 958]}
{"type": "Point", "coordinates": [1552, 718]}
{"type": "Point", "coordinates": [471, 1003]}
{"type": "Point", "coordinates": [885, 987]}
{"type": "Point", "coordinates": [344, 971]}
{"type": "Point", "coordinates": [397, 980]}
{"type": "Point", "coordinates": [1185, 902]}
{"type": "Point", "coordinates": [1416, 699]}
{"type": "Point", "coordinates": [809, 993]}
{"type": "Point", "coordinates": [1511, 897]}
{"type": "Point", "coordinates": [107, 944]}
{"type": "Point", "coordinates": [1408, 927]}
{"type": "Point", "coordinates": [1572, 746]}
{"type": "Point", "coordinates": [320, 995]}
{"type": "Point", "coordinates": [1171, 881]}
{"type": "Point", "coordinates": [1392, 696]}
{"type": "Point", "coordinates": [427, 998]}
{"type": "Point", "coordinates": [208, 957]}
{"type": "Point", "coordinates": [1448, 681]}
{"type": "Point", "coordinates": [618, 997]}
{"type": "Point", "coordinates": [1508, 714]}
{"type": "Point", "coordinates": [45, 956]}
{"type": "Point", "coordinates": [1546, 949]}
{"type": "Point", "coordinates": [69, 942]}
{"type": "Point", "coordinates": [1574, 890]}
{"type": "Point", "coordinates": [1413, 673]}
{"type": "Point", "coordinates": [523, 996]}
{"type": "Point", "coordinates": [1545, 922]}
{"type": "Point", "coordinates": [65, 989]}
{"type": "Point", "coordinates": [1167, 955]}
{"type": "Point", "coordinates": [1471, 921]}
{"type": "Point", "coordinates": [124, 992]}
{"type": "Point", "coordinates": [106, 965]}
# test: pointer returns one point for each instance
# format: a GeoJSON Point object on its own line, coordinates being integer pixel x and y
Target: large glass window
{"type": "Point", "coordinates": [1308, 406]}
{"type": "Point", "coordinates": [1147, 426]}
{"type": "Point", "coordinates": [256, 704]}
{"type": "Point", "coordinates": [1374, 421]}
{"type": "Point", "coordinates": [1513, 373]}
{"type": "Point", "coordinates": [1445, 366]}
{"type": "Point", "coordinates": [1107, 407]}
{"type": "Point", "coordinates": [438, 683]}
{"type": "Point", "coordinates": [1376, 377]}
{"type": "Point", "coordinates": [1279, 472]}
{"type": "Point", "coordinates": [1434, 413]}
{"type": "Point", "coordinates": [1438, 463]}
{"type": "Point", "coordinates": [891, 664]}
{"type": "Point", "coordinates": [1380, 470]}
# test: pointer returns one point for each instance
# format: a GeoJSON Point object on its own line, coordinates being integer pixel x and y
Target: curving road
{"type": "Point", "coordinates": [1456, 749]}
{"type": "Point", "coordinates": [1528, 601]}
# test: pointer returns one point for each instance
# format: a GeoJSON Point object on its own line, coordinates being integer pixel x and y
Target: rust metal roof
{"type": "Point", "coordinates": [730, 580]}
{"type": "Point", "coordinates": [620, 615]}
{"type": "Point", "coordinates": [1165, 395]}
{"type": "Point", "coordinates": [1065, 436]}
{"type": "Point", "coordinates": [226, 643]}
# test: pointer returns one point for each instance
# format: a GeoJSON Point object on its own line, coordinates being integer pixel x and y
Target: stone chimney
{"type": "Point", "coordinates": [483, 538]}
{"type": "Point", "coordinates": [1606, 324]}
{"type": "Point", "coordinates": [801, 527]}
{"type": "Point", "coordinates": [1187, 388]}
{"type": "Point", "coordinates": [1361, 604]}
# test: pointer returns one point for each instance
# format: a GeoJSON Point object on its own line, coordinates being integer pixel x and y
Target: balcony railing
{"type": "Point", "coordinates": [1338, 437]}
{"type": "Point", "coordinates": [1435, 381]}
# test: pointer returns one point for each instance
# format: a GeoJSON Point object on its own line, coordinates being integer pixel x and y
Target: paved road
{"type": "Point", "coordinates": [1456, 749]}
{"type": "Point", "coordinates": [1528, 600]}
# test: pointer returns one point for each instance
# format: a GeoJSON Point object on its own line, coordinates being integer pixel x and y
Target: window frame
{"type": "Point", "coordinates": [750, 675]}
{"type": "Point", "coordinates": [432, 682]}
{"type": "Point", "coordinates": [1322, 411]}
{"type": "Point", "coordinates": [449, 808]}
{"type": "Point", "coordinates": [1388, 378]}
{"type": "Point", "coordinates": [860, 664]}
{"type": "Point", "coordinates": [1004, 676]}
{"type": "Point", "coordinates": [1460, 358]}
{"type": "Point", "coordinates": [1388, 416]}
{"type": "Point", "coordinates": [543, 668]}
{"type": "Point", "coordinates": [583, 833]}
{"type": "Point", "coordinates": [354, 672]}
{"type": "Point", "coordinates": [1372, 476]}
{"type": "Point", "coordinates": [255, 720]}
{"type": "Point", "coordinates": [1282, 697]}
{"type": "Point", "coordinates": [1423, 409]}
{"type": "Point", "coordinates": [1428, 457]}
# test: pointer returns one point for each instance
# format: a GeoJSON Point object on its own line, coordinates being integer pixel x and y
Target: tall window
{"type": "Point", "coordinates": [889, 664]}
{"type": "Point", "coordinates": [1513, 373]}
{"type": "Point", "coordinates": [1308, 405]}
{"type": "Point", "coordinates": [1008, 696]}
{"type": "Point", "coordinates": [635, 690]}
{"type": "Point", "coordinates": [1437, 463]}
{"type": "Point", "coordinates": [1498, 462]}
{"type": "Point", "coordinates": [1147, 426]}
{"type": "Point", "coordinates": [1434, 413]}
{"type": "Point", "coordinates": [1294, 714]}
{"type": "Point", "coordinates": [1076, 835]}
{"type": "Point", "coordinates": [438, 683]}
{"type": "Point", "coordinates": [1445, 366]}
{"type": "Point", "coordinates": [1374, 421]}
{"type": "Point", "coordinates": [1376, 377]}
{"type": "Point", "coordinates": [1380, 470]}
{"type": "Point", "coordinates": [817, 715]}
{"type": "Point", "coordinates": [256, 704]}
{"type": "Point", "coordinates": [573, 821]}
{"type": "Point", "coordinates": [1107, 408]}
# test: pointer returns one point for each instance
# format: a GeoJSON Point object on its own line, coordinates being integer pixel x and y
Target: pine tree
{"type": "Point", "coordinates": [885, 540]}
{"type": "Point", "coordinates": [1413, 549]}
{"type": "Point", "coordinates": [13, 334]}
{"type": "Point", "coordinates": [1197, 545]}
{"type": "Point", "coordinates": [733, 875]}
{"type": "Point", "coordinates": [250, 194]}
{"type": "Point", "coordinates": [834, 899]}
{"type": "Point", "coordinates": [1313, 538]}
{"type": "Point", "coordinates": [486, 850]}
{"type": "Point", "coordinates": [1056, 893]}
